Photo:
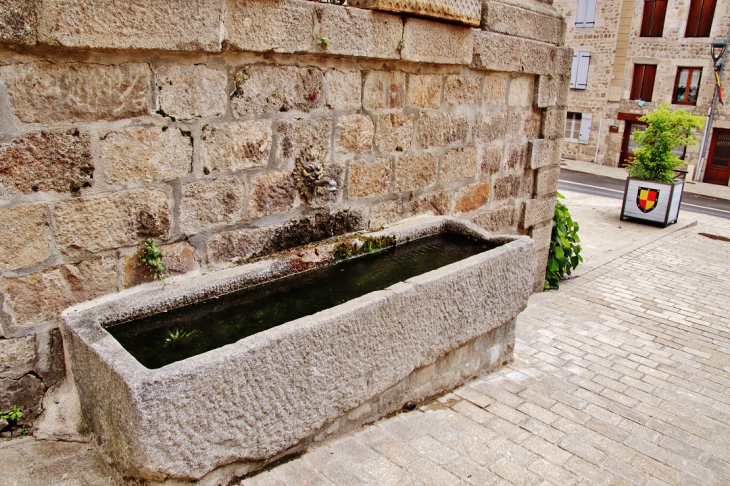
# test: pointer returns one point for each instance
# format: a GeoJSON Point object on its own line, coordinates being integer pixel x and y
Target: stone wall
{"type": "Point", "coordinates": [181, 121]}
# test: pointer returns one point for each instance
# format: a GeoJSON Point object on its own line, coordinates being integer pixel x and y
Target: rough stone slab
{"type": "Point", "coordinates": [385, 213]}
{"type": "Point", "coordinates": [521, 90]}
{"type": "Point", "coordinates": [358, 33]}
{"type": "Point", "coordinates": [459, 11]}
{"type": "Point", "coordinates": [41, 296]}
{"type": "Point", "coordinates": [44, 92]}
{"type": "Point", "coordinates": [553, 124]}
{"type": "Point", "coordinates": [237, 244]}
{"type": "Point", "coordinates": [355, 134]}
{"type": "Point", "coordinates": [442, 129]}
{"type": "Point", "coordinates": [146, 154]}
{"type": "Point", "coordinates": [500, 220]}
{"type": "Point", "coordinates": [178, 258]}
{"type": "Point", "coordinates": [499, 52]}
{"type": "Point", "coordinates": [510, 186]}
{"type": "Point", "coordinates": [47, 161]}
{"type": "Point", "coordinates": [415, 171]}
{"type": "Point", "coordinates": [212, 202]}
{"type": "Point", "coordinates": [107, 221]}
{"type": "Point", "coordinates": [234, 146]}
{"type": "Point", "coordinates": [491, 125]}
{"type": "Point", "coordinates": [515, 156]}
{"type": "Point", "coordinates": [459, 164]}
{"type": "Point", "coordinates": [542, 235]}
{"type": "Point", "coordinates": [394, 132]}
{"type": "Point", "coordinates": [343, 89]}
{"type": "Point", "coordinates": [268, 89]}
{"type": "Point", "coordinates": [369, 178]}
{"type": "Point", "coordinates": [26, 393]}
{"type": "Point", "coordinates": [188, 92]}
{"type": "Point", "coordinates": [437, 203]}
{"type": "Point", "coordinates": [190, 25]}
{"type": "Point", "coordinates": [424, 90]}
{"type": "Point", "coordinates": [384, 90]}
{"type": "Point", "coordinates": [17, 357]}
{"type": "Point", "coordinates": [353, 367]}
{"type": "Point", "coordinates": [24, 236]}
{"type": "Point", "coordinates": [296, 135]}
{"type": "Point", "coordinates": [271, 193]}
{"type": "Point", "coordinates": [462, 90]}
{"type": "Point", "coordinates": [543, 153]}
{"type": "Point", "coordinates": [433, 42]}
{"type": "Point", "coordinates": [537, 211]}
{"type": "Point", "coordinates": [520, 22]}
{"type": "Point", "coordinates": [491, 160]}
{"type": "Point", "coordinates": [547, 180]}
{"type": "Point", "coordinates": [285, 26]}
{"type": "Point", "coordinates": [471, 198]}
{"type": "Point", "coordinates": [18, 24]}
{"type": "Point", "coordinates": [547, 91]}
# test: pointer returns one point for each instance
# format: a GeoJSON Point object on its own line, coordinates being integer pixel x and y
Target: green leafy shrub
{"type": "Point", "coordinates": [151, 256]}
{"type": "Point", "coordinates": [13, 415]}
{"type": "Point", "coordinates": [666, 130]}
{"type": "Point", "coordinates": [564, 254]}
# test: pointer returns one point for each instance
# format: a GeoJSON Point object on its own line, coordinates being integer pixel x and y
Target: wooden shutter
{"type": "Point", "coordinates": [642, 86]}
{"type": "Point", "coordinates": [699, 21]}
{"type": "Point", "coordinates": [574, 69]}
{"type": "Point", "coordinates": [584, 60]}
{"type": "Point", "coordinates": [586, 15]}
{"type": "Point", "coordinates": [585, 128]}
{"type": "Point", "coordinates": [652, 22]}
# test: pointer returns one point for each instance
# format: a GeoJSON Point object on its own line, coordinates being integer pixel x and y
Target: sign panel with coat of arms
{"type": "Point", "coordinates": [646, 199]}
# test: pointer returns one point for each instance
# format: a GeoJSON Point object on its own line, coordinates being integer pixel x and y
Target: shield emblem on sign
{"type": "Point", "coordinates": [647, 199]}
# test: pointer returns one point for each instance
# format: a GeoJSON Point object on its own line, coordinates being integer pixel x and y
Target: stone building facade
{"type": "Point", "coordinates": [618, 47]}
{"type": "Point", "coordinates": [181, 121]}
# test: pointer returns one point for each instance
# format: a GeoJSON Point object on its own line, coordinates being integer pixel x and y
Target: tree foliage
{"type": "Point", "coordinates": [666, 130]}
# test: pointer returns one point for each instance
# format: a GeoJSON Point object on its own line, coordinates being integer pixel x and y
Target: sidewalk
{"type": "Point", "coordinates": [622, 377]}
{"type": "Point", "coordinates": [698, 188]}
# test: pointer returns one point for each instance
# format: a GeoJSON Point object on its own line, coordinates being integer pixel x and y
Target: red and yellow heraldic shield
{"type": "Point", "coordinates": [646, 199]}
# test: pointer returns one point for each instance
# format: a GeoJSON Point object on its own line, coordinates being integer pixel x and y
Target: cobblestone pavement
{"type": "Point", "coordinates": [621, 377]}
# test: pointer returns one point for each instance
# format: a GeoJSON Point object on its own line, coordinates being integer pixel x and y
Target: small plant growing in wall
{"type": "Point", "coordinates": [564, 255]}
{"type": "Point", "coordinates": [150, 256]}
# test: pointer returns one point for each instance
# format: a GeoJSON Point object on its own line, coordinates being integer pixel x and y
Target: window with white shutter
{"type": "Point", "coordinates": [579, 72]}
{"type": "Point", "coordinates": [585, 128]}
{"type": "Point", "coordinates": [586, 16]}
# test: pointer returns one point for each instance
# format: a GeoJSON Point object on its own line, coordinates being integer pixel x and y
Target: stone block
{"type": "Point", "coordinates": [491, 160]}
{"type": "Point", "coordinates": [520, 91]}
{"type": "Point", "coordinates": [212, 202]}
{"type": "Point", "coordinates": [537, 212]}
{"type": "Point", "coordinates": [540, 270]}
{"type": "Point", "coordinates": [459, 12]}
{"type": "Point", "coordinates": [415, 171]}
{"type": "Point", "coordinates": [424, 90]}
{"type": "Point", "coordinates": [462, 90]}
{"type": "Point", "coordinates": [563, 61]}
{"type": "Point", "coordinates": [24, 236]}
{"type": "Point", "coordinates": [384, 90]}
{"type": "Point", "coordinates": [547, 181]}
{"type": "Point", "coordinates": [18, 22]}
{"type": "Point", "coordinates": [515, 156]}
{"type": "Point", "coordinates": [178, 258]}
{"type": "Point", "coordinates": [45, 92]}
{"type": "Point", "coordinates": [47, 161]}
{"type": "Point", "coordinates": [355, 134]}
{"type": "Point", "coordinates": [509, 186]}
{"type": "Point", "coordinates": [263, 25]}
{"type": "Point", "coordinates": [542, 236]}
{"type": "Point", "coordinates": [531, 120]}
{"type": "Point", "coordinates": [195, 91]}
{"type": "Point", "coordinates": [41, 296]}
{"type": "Point", "coordinates": [268, 89]}
{"type": "Point", "coordinates": [237, 245]}
{"type": "Point", "coordinates": [17, 357]}
{"type": "Point", "coordinates": [112, 220]}
{"type": "Point", "coordinates": [471, 198]}
{"type": "Point", "coordinates": [459, 164]}
{"type": "Point", "coordinates": [436, 203]}
{"type": "Point", "coordinates": [26, 393]}
{"type": "Point", "coordinates": [229, 147]}
{"type": "Point", "coordinates": [272, 193]}
{"type": "Point", "coordinates": [499, 221]}
{"type": "Point", "coordinates": [343, 90]}
{"type": "Point", "coordinates": [434, 42]}
{"type": "Point", "coordinates": [543, 153]}
{"type": "Point", "coordinates": [491, 125]}
{"type": "Point", "coordinates": [563, 90]}
{"type": "Point", "coordinates": [312, 229]}
{"type": "Point", "coordinates": [146, 154]}
{"type": "Point", "coordinates": [520, 22]}
{"type": "Point", "coordinates": [547, 91]}
{"type": "Point", "coordinates": [295, 135]}
{"type": "Point", "coordinates": [192, 25]}
{"type": "Point", "coordinates": [385, 213]}
{"type": "Point", "coordinates": [495, 88]}
{"type": "Point", "coordinates": [553, 123]}
{"type": "Point", "coordinates": [394, 132]}
{"type": "Point", "coordinates": [442, 129]}
{"type": "Point", "coordinates": [499, 52]}
{"type": "Point", "coordinates": [369, 178]}
{"type": "Point", "coordinates": [358, 33]}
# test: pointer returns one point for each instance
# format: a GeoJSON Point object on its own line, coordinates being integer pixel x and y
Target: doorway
{"type": "Point", "coordinates": [718, 160]}
{"type": "Point", "coordinates": [629, 145]}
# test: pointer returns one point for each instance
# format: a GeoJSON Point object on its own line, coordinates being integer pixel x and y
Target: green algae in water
{"type": "Point", "coordinates": [164, 338]}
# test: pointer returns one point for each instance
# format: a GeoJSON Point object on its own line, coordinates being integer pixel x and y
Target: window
{"type": "Point", "coordinates": [687, 85]}
{"type": "Point", "coordinates": [642, 86]}
{"type": "Point", "coordinates": [586, 16]}
{"type": "Point", "coordinates": [579, 72]}
{"type": "Point", "coordinates": [699, 20]}
{"type": "Point", "coordinates": [652, 22]}
{"type": "Point", "coordinates": [578, 127]}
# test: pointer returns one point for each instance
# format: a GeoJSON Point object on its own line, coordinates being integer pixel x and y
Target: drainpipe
{"type": "Point", "coordinates": [598, 140]}
{"type": "Point", "coordinates": [704, 146]}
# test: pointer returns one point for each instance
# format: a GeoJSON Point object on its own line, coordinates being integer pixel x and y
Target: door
{"type": "Point", "coordinates": [718, 160]}
{"type": "Point", "coordinates": [628, 146]}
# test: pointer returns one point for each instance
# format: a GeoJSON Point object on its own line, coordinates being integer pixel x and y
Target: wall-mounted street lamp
{"type": "Point", "coordinates": [717, 51]}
